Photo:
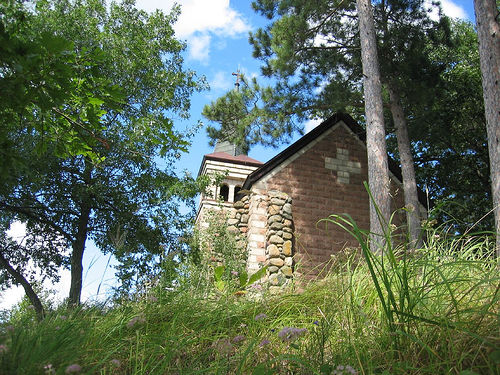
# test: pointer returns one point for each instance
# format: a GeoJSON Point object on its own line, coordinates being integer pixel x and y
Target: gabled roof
{"type": "Point", "coordinates": [311, 136]}
{"type": "Point", "coordinates": [225, 157]}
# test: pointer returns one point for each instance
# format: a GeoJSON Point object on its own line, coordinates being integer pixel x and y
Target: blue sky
{"type": "Point", "coordinates": [216, 33]}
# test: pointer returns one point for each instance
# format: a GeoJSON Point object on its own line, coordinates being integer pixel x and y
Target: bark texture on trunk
{"type": "Point", "coordinates": [378, 172]}
{"type": "Point", "coordinates": [20, 279]}
{"type": "Point", "coordinates": [407, 169]}
{"type": "Point", "coordinates": [78, 246]}
{"type": "Point", "coordinates": [78, 249]}
{"type": "Point", "coordinates": [488, 30]}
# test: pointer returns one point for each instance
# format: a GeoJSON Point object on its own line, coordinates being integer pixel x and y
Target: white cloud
{"type": "Point", "coordinates": [311, 124]}
{"type": "Point", "coordinates": [221, 81]}
{"type": "Point", "coordinates": [201, 19]}
{"type": "Point", "coordinates": [199, 47]}
{"type": "Point", "coordinates": [453, 10]}
{"type": "Point", "coordinates": [449, 8]}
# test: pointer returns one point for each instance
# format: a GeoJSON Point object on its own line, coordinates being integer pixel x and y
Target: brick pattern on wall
{"type": "Point", "coordinates": [318, 190]}
{"type": "Point", "coordinates": [343, 165]}
{"type": "Point", "coordinates": [257, 230]}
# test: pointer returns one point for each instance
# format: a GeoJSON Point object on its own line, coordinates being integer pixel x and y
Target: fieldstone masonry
{"type": "Point", "coordinates": [279, 250]}
{"type": "Point", "coordinates": [265, 220]}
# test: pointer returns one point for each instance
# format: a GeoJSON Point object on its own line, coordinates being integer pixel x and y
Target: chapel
{"type": "Point", "coordinates": [277, 206]}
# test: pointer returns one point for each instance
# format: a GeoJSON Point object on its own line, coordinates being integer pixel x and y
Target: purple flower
{"type": "Point", "coordinates": [316, 322]}
{"type": "Point", "coordinates": [73, 369]}
{"type": "Point", "coordinates": [238, 338]}
{"type": "Point", "coordinates": [223, 346]}
{"type": "Point", "coordinates": [264, 342]}
{"type": "Point", "coordinates": [234, 273]}
{"type": "Point", "coordinates": [136, 321]}
{"type": "Point", "coordinates": [291, 333]}
{"type": "Point", "coordinates": [260, 316]}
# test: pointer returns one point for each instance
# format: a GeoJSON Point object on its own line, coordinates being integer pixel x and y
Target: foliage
{"type": "Point", "coordinates": [42, 76]}
{"type": "Point", "coordinates": [333, 325]}
{"type": "Point", "coordinates": [217, 254]}
{"type": "Point", "coordinates": [247, 116]}
{"type": "Point", "coordinates": [310, 50]}
{"type": "Point", "coordinates": [449, 126]}
{"type": "Point", "coordinates": [127, 201]}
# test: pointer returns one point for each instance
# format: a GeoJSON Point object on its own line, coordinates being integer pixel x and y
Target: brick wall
{"type": "Point", "coordinates": [325, 179]}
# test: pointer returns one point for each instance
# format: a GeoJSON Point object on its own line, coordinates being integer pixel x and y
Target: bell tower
{"type": "Point", "coordinates": [235, 167]}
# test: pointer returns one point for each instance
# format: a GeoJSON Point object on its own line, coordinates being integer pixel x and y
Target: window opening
{"type": "Point", "coordinates": [237, 196]}
{"type": "Point", "coordinates": [224, 192]}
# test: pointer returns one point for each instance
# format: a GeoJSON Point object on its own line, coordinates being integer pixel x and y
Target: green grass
{"type": "Point", "coordinates": [434, 312]}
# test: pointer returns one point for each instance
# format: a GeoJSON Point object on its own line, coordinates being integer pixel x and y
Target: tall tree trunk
{"type": "Point", "coordinates": [78, 246]}
{"type": "Point", "coordinates": [20, 279]}
{"type": "Point", "coordinates": [78, 249]}
{"type": "Point", "coordinates": [407, 169]}
{"type": "Point", "coordinates": [488, 30]}
{"type": "Point", "coordinates": [378, 171]}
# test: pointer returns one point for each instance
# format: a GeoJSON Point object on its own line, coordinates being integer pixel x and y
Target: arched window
{"type": "Point", "coordinates": [224, 192]}
{"type": "Point", "coordinates": [237, 197]}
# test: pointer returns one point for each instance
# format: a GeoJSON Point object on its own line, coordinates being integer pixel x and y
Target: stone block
{"type": "Point", "coordinates": [244, 218]}
{"type": "Point", "coordinates": [273, 269]}
{"type": "Point", "coordinates": [258, 224]}
{"type": "Point", "coordinates": [278, 262]}
{"type": "Point", "coordinates": [276, 226]}
{"type": "Point", "coordinates": [343, 180]}
{"type": "Point", "coordinates": [274, 210]}
{"type": "Point", "coordinates": [277, 201]}
{"type": "Point", "coordinates": [273, 251]}
{"type": "Point", "coordinates": [274, 219]}
{"type": "Point", "coordinates": [256, 237]}
{"type": "Point", "coordinates": [239, 204]}
{"type": "Point", "coordinates": [287, 235]}
{"type": "Point", "coordinates": [287, 271]}
{"type": "Point", "coordinates": [287, 208]}
{"type": "Point", "coordinates": [287, 248]}
{"type": "Point", "coordinates": [275, 239]}
{"type": "Point", "coordinates": [232, 221]}
{"type": "Point", "coordinates": [289, 261]}
{"type": "Point", "coordinates": [261, 258]}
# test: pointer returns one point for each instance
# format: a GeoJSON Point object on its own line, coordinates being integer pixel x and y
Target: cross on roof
{"type": "Point", "coordinates": [238, 76]}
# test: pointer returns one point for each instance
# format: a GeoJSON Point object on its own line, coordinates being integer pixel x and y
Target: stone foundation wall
{"type": "Point", "coordinates": [265, 219]}
{"type": "Point", "coordinates": [279, 251]}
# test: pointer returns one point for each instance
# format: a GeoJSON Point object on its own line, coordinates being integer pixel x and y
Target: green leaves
{"type": "Point", "coordinates": [221, 281]}
{"type": "Point", "coordinates": [91, 92]}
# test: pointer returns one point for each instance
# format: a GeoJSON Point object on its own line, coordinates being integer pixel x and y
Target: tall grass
{"type": "Point", "coordinates": [434, 311]}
